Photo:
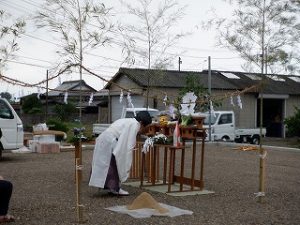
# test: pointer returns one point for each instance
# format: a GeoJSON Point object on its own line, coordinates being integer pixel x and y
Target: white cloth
{"type": "Point", "coordinates": [119, 139]}
{"type": "Point", "coordinates": [145, 212]}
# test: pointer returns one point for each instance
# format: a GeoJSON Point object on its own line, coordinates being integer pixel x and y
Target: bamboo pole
{"type": "Point", "coordinates": [261, 192]}
{"type": "Point", "coordinates": [79, 206]}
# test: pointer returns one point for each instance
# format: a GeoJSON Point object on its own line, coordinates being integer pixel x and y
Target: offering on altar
{"type": "Point", "coordinates": [157, 139]}
{"type": "Point", "coordinates": [186, 120]}
{"type": "Point", "coordinates": [163, 120]}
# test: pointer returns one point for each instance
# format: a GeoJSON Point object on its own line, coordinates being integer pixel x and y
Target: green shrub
{"type": "Point", "coordinates": [57, 124]}
{"type": "Point", "coordinates": [65, 111]}
{"type": "Point", "coordinates": [293, 124]}
{"type": "Point", "coordinates": [32, 105]}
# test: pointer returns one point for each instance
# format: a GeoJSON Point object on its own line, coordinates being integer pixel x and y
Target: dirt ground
{"type": "Point", "coordinates": [44, 190]}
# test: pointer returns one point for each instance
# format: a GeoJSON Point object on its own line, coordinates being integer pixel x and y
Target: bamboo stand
{"type": "Point", "coordinates": [261, 195]}
{"type": "Point", "coordinates": [78, 178]}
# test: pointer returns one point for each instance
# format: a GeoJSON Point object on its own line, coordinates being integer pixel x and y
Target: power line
{"type": "Point", "coordinates": [40, 66]}
{"type": "Point", "coordinates": [107, 58]}
{"type": "Point", "coordinates": [35, 59]}
{"type": "Point", "coordinates": [27, 64]}
{"type": "Point", "coordinates": [12, 6]}
{"type": "Point", "coordinates": [140, 47]}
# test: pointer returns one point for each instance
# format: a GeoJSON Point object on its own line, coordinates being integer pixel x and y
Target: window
{"type": "Point", "coordinates": [129, 115]}
{"type": "Point", "coordinates": [253, 76]}
{"type": "Point", "coordinates": [276, 78]}
{"type": "Point", "coordinates": [213, 119]}
{"type": "Point", "coordinates": [5, 111]}
{"type": "Point", "coordinates": [225, 119]}
{"type": "Point", "coordinates": [297, 79]}
{"type": "Point", "coordinates": [230, 75]}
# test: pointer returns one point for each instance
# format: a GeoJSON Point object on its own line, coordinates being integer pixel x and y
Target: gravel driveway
{"type": "Point", "coordinates": [44, 190]}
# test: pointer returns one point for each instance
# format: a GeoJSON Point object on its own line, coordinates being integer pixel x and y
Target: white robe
{"type": "Point", "coordinates": [119, 139]}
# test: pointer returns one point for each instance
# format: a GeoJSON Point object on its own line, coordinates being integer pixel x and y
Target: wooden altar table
{"type": "Point", "coordinates": [150, 168]}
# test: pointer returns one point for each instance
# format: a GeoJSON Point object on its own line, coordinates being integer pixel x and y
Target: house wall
{"type": "Point", "coordinates": [139, 100]}
{"type": "Point", "coordinates": [290, 105]}
{"type": "Point", "coordinates": [158, 94]}
{"type": "Point", "coordinates": [125, 82]}
{"type": "Point", "coordinates": [102, 115]}
{"type": "Point", "coordinates": [117, 107]}
{"type": "Point", "coordinates": [245, 118]}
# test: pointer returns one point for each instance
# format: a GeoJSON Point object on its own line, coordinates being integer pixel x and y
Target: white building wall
{"type": "Point", "coordinates": [291, 103]}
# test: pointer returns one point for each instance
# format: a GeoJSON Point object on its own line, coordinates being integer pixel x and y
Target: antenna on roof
{"type": "Point", "coordinates": [179, 63]}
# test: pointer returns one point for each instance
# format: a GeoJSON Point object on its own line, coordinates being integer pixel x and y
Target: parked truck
{"type": "Point", "coordinates": [223, 128]}
{"type": "Point", "coordinates": [11, 127]}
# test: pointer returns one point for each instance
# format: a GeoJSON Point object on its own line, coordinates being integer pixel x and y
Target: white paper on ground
{"type": "Point", "coordinates": [146, 212]}
{"type": "Point", "coordinates": [21, 150]}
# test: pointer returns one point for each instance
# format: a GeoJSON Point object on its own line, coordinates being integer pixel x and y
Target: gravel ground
{"type": "Point", "coordinates": [44, 190]}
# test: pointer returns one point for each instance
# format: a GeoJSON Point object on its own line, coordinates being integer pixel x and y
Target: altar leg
{"type": "Point", "coordinates": [182, 168]}
{"type": "Point", "coordinates": [142, 169]}
{"type": "Point", "coordinates": [202, 163]}
{"type": "Point", "coordinates": [171, 168]}
{"type": "Point", "coordinates": [153, 166]}
{"type": "Point", "coordinates": [193, 165]}
{"type": "Point", "coordinates": [165, 165]}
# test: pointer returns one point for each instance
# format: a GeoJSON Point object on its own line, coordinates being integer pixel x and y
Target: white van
{"type": "Point", "coordinates": [131, 112]}
{"type": "Point", "coordinates": [98, 128]}
{"type": "Point", "coordinates": [11, 127]}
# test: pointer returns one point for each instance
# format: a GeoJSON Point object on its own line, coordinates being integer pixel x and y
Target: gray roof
{"type": "Point", "coordinates": [72, 87]}
{"type": "Point", "coordinates": [222, 80]}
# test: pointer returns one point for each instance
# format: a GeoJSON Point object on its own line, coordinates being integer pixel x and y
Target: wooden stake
{"type": "Point", "coordinates": [78, 155]}
{"type": "Point", "coordinates": [261, 174]}
{"type": "Point", "coordinates": [79, 206]}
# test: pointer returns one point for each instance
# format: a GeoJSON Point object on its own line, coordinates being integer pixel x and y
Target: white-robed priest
{"type": "Point", "coordinates": [112, 156]}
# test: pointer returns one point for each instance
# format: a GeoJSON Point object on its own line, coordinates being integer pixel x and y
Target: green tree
{"type": "Point", "coordinates": [32, 105]}
{"type": "Point", "coordinates": [80, 25]}
{"type": "Point", "coordinates": [8, 36]}
{"type": "Point", "coordinates": [6, 95]}
{"type": "Point", "coordinates": [192, 85]}
{"type": "Point", "coordinates": [265, 33]}
{"type": "Point", "coordinates": [293, 124]}
{"type": "Point", "coordinates": [64, 111]}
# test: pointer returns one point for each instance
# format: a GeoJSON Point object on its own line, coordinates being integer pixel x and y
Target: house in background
{"type": "Point", "coordinates": [74, 89]}
{"type": "Point", "coordinates": [280, 93]}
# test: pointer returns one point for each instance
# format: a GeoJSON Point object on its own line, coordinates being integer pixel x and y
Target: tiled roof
{"type": "Point", "coordinates": [70, 86]}
{"type": "Point", "coordinates": [227, 80]}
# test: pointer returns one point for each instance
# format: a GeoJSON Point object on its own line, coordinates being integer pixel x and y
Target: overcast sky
{"type": "Point", "coordinates": [37, 49]}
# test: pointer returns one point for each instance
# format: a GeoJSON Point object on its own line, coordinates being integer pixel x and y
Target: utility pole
{"type": "Point", "coordinates": [261, 150]}
{"type": "Point", "coordinates": [179, 63]}
{"type": "Point", "coordinates": [266, 60]}
{"type": "Point", "coordinates": [47, 78]}
{"type": "Point", "coordinates": [209, 99]}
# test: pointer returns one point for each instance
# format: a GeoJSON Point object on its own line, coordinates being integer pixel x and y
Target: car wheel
{"type": "Point", "coordinates": [225, 138]}
{"type": "Point", "coordinates": [255, 140]}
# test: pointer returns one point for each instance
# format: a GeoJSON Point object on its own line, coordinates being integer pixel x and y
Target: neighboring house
{"type": "Point", "coordinates": [74, 90]}
{"type": "Point", "coordinates": [280, 93]}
